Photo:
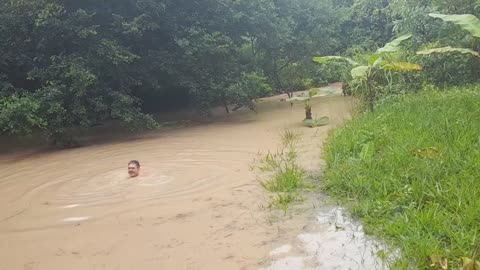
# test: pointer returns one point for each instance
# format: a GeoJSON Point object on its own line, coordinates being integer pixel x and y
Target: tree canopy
{"type": "Point", "coordinates": [67, 64]}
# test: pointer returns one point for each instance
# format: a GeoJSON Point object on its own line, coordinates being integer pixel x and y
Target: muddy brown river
{"type": "Point", "coordinates": [196, 204]}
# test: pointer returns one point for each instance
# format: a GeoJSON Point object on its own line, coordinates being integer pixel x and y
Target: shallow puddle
{"type": "Point", "coordinates": [332, 241]}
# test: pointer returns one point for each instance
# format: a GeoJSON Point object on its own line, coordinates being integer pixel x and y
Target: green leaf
{"type": "Point", "coordinates": [402, 66]}
{"type": "Point", "coordinates": [359, 72]}
{"type": "Point", "coordinates": [394, 45]}
{"type": "Point", "coordinates": [367, 151]}
{"type": "Point", "coordinates": [317, 122]}
{"type": "Point", "coordinates": [449, 49]}
{"type": "Point", "coordinates": [324, 59]}
{"type": "Point", "coordinates": [372, 60]}
{"type": "Point", "coordinates": [467, 22]}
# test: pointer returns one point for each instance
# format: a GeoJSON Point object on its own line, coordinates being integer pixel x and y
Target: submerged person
{"type": "Point", "coordinates": [133, 168]}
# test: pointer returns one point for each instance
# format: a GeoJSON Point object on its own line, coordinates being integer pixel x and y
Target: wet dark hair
{"type": "Point", "coordinates": [134, 162]}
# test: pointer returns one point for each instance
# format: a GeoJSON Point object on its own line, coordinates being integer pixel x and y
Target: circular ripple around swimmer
{"type": "Point", "coordinates": [107, 188]}
{"type": "Point", "coordinates": [92, 191]}
{"type": "Point", "coordinates": [93, 196]}
{"type": "Point", "coordinates": [180, 178]}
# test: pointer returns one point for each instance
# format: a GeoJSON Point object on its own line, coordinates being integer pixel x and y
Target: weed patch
{"type": "Point", "coordinates": [281, 175]}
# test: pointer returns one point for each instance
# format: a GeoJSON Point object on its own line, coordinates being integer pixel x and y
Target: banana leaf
{"type": "Point", "coordinates": [449, 49]}
{"type": "Point", "coordinates": [324, 59]}
{"type": "Point", "coordinates": [359, 72]}
{"type": "Point", "coordinates": [467, 22]}
{"type": "Point", "coordinates": [394, 45]}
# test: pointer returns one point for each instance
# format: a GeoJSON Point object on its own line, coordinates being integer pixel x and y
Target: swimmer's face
{"type": "Point", "coordinates": [133, 170]}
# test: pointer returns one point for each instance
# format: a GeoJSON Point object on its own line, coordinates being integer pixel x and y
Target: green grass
{"type": "Point", "coordinates": [281, 174]}
{"type": "Point", "coordinates": [287, 178]}
{"type": "Point", "coordinates": [410, 172]}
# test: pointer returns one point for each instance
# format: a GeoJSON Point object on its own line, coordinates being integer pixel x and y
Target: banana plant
{"type": "Point", "coordinates": [467, 22]}
{"type": "Point", "coordinates": [309, 121]}
{"type": "Point", "coordinates": [381, 63]}
{"type": "Point", "coordinates": [308, 106]}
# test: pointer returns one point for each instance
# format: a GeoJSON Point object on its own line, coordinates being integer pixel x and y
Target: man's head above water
{"type": "Point", "coordinates": [133, 168]}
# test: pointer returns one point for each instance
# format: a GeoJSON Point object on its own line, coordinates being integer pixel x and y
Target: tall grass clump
{"type": "Point", "coordinates": [281, 175]}
{"type": "Point", "coordinates": [410, 172]}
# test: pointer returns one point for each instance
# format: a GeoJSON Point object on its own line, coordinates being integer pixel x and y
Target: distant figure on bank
{"type": "Point", "coordinates": [133, 168]}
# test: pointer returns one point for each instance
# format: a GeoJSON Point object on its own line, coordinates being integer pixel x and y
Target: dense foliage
{"type": "Point", "coordinates": [67, 64]}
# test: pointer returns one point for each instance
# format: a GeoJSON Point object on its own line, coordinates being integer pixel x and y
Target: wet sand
{"type": "Point", "coordinates": [199, 207]}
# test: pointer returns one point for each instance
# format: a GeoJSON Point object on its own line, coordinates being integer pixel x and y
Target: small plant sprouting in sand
{"type": "Point", "coordinates": [290, 137]}
{"type": "Point", "coordinates": [280, 173]}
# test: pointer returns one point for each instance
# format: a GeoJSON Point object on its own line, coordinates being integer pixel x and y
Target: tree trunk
{"type": "Point", "coordinates": [226, 108]}
{"type": "Point", "coordinates": [277, 79]}
{"type": "Point", "coordinates": [225, 103]}
{"type": "Point", "coordinates": [308, 113]}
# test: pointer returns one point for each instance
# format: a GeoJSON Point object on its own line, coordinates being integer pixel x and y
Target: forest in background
{"type": "Point", "coordinates": [72, 64]}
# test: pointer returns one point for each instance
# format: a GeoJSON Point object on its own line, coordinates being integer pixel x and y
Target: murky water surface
{"type": "Point", "coordinates": [196, 204]}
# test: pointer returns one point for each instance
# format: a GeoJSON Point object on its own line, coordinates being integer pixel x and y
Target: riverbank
{"type": "Point", "coordinates": [409, 171]}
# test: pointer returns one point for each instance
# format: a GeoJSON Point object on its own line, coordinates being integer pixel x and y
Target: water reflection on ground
{"type": "Point", "coordinates": [333, 241]}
